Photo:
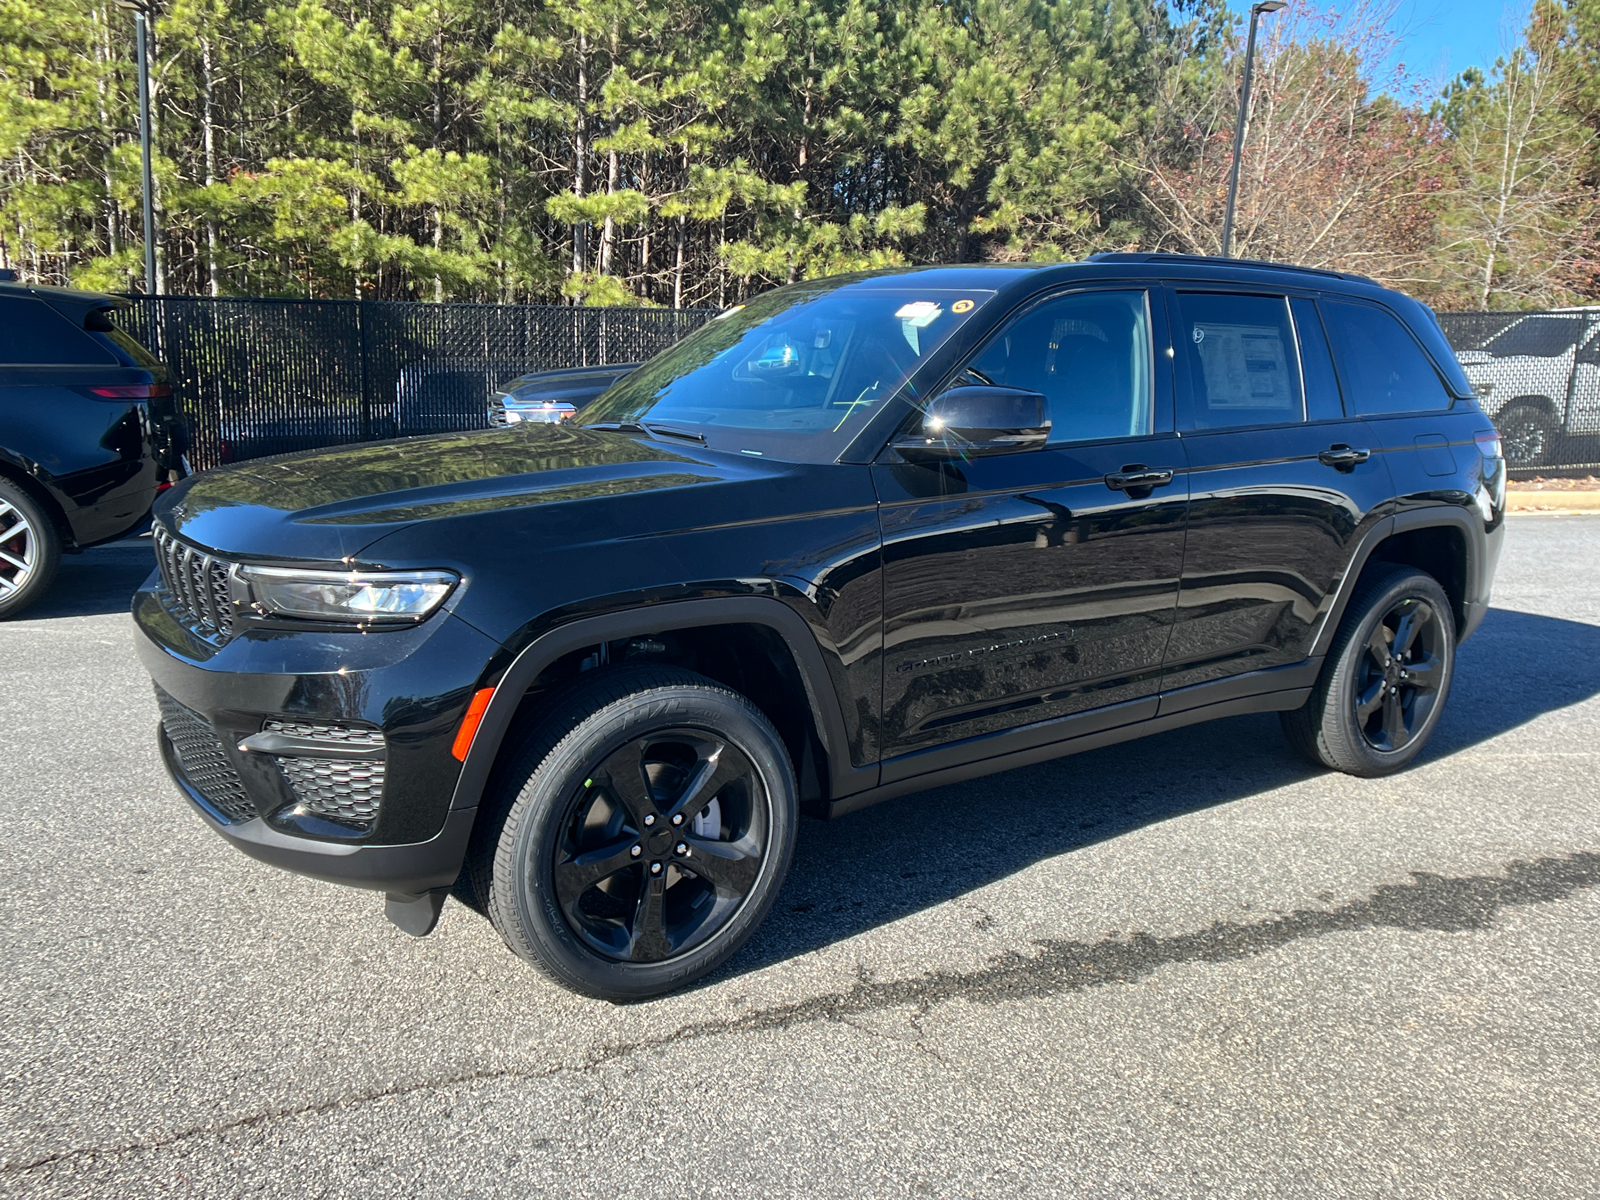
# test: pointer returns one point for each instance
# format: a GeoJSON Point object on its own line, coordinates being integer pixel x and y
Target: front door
{"type": "Point", "coordinates": [1583, 405]}
{"type": "Point", "coordinates": [1031, 586]}
{"type": "Point", "coordinates": [1283, 484]}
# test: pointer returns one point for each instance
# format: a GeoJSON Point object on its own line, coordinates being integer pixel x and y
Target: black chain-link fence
{"type": "Point", "coordinates": [1538, 375]}
{"type": "Point", "coordinates": [259, 377]}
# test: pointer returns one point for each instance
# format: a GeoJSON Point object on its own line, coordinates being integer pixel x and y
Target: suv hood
{"type": "Point", "coordinates": [329, 505]}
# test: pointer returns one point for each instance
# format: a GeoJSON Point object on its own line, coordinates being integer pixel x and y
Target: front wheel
{"type": "Point", "coordinates": [1386, 677]}
{"type": "Point", "coordinates": [649, 822]}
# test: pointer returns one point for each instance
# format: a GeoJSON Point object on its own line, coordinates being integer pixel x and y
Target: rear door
{"type": "Point", "coordinates": [1030, 586]}
{"type": "Point", "coordinates": [1423, 435]}
{"type": "Point", "coordinates": [1282, 486]}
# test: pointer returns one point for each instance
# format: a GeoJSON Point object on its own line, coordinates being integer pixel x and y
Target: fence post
{"type": "Point", "coordinates": [366, 373]}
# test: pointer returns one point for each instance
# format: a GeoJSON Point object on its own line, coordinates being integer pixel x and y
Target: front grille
{"type": "Point", "coordinates": [343, 735]}
{"type": "Point", "coordinates": [203, 760]}
{"type": "Point", "coordinates": [195, 586]}
{"type": "Point", "coordinates": [340, 789]}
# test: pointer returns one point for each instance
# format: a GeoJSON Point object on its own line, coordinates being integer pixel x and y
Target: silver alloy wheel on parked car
{"type": "Point", "coordinates": [19, 549]}
{"type": "Point", "coordinates": [1527, 433]}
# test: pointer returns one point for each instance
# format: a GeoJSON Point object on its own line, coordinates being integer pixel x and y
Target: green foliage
{"type": "Point", "coordinates": [605, 152]}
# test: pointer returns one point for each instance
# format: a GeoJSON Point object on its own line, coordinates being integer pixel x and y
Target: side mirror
{"type": "Point", "coordinates": [975, 421]}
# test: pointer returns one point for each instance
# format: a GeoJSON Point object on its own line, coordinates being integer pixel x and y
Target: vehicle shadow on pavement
{"type": "Point", "coordinates": [925, 849]}
{"type": "Point", "coordinates": [101, 580]}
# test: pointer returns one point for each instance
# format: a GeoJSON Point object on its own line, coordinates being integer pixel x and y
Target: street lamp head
{"type": "Point", "coordinates": [1266, 6]}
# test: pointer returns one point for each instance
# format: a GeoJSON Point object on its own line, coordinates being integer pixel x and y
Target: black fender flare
{"type": "Point", "coordinates": [843, 778]}
{"type": "Point", "coordinates": [1467, 521]}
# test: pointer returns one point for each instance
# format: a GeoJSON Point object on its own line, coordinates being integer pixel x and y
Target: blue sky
{"type": "Point", "coordinates": [1441, 38]}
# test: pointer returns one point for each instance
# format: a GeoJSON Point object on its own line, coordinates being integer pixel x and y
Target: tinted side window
{"type": "Point", "coordinates": [1382, 368]}
{"type": "Point", "coordinates": [1591, 352]}
{"type": "Point", "coordinates": [1243, 369]}
{"type": "Point", "coordinates": [34, 333]}
{"type": "Point", "coordinates": [1089, 354]}
{"type": "Point", "coordinates": [1316, 363]}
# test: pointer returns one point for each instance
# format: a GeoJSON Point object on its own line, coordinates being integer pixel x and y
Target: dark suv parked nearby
{"type": "Point", "coordinates": [858, 537]}
{"type": "Point", "coordinates": [88, 432]}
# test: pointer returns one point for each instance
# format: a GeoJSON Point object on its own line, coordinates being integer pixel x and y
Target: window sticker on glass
{"type": "Point", "coordinates": [919, 314]}
{"type": "Point", "coordinates": [1246, 366]}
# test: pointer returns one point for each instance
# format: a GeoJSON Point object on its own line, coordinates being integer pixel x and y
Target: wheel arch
{"type": "Point", "coordinates": [16, 470]}
{"type": "Point", "coordinates": [757, 645]}
{"type": "Point", "coordinates": [1531, 400]}
{"type": "Point", "coordinates": [1445, 541]}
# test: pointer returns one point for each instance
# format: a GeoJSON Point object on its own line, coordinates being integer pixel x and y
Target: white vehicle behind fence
{"type": "Point", "coordinates": [1539, 378]}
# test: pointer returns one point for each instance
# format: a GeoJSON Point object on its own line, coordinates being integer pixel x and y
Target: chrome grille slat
{"type": "Point", "coordinates": [208, 595]}
{"type": "Point", "coordinates": [196, 587]}
{"type": "Point", "coordinates": [222, 598]}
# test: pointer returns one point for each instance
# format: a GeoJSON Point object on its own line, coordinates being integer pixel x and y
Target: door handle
{"type": "Point", "coordinates": [1343, 457]}
{"type": "Point", "coordinates": [1137, 479]}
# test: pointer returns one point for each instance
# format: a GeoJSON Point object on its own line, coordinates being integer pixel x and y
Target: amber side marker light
{"type": "Point", "coordinates": [469, 723]}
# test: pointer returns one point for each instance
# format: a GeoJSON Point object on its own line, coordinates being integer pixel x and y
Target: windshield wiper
{"type": "Point", "coordinates": [664, 431]}
{"type": "Point", "coordinates": [618, 426]}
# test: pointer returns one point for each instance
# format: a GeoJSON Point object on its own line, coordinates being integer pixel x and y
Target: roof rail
{"type": "Point", "coordinates": [1211, 260]}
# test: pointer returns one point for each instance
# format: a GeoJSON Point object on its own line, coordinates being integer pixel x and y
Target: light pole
{"type": "Point", "coordinates": [1266, 6]}
{"type": "Point", "coordinates": [141, 17]}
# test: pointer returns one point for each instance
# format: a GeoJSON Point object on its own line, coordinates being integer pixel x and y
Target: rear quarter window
{"type": "Point", "coordinates": [34, 334]}
{"type": "Point", "coordinates": [1381, 366]}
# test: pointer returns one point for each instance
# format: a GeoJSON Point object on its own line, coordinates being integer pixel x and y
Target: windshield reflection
{"type": "Point", "coordinates": [794, 373]}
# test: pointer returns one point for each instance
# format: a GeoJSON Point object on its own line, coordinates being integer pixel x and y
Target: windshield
{"type": "Point", "coordinates": [1537, 337]}
{"type": "Point", "coordinates": [795, 373]}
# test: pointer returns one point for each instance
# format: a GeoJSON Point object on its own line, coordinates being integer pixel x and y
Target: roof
{"type": "Point", "coordinates": [1159, 258]}
{"type": "Point", "coordinates": [57, 295]}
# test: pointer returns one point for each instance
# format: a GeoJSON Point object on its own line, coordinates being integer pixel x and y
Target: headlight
{"type": "Point", "coordinates": [358, 598]}
{"type": "Point", "coordinates": [543, 412]}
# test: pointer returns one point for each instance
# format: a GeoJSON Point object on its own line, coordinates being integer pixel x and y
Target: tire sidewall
{"type": "Point", "coordinates": [1536, 416]}
{"type": "Point", "coordinates": [48, 556]}
{"type": "Point", "coordinates": [1341, 699]}
{"type": "Point", "coordinates": [547, 795]}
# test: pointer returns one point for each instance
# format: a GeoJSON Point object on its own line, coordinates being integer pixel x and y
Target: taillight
{"type": "Point", "coordinates": [132, 391]}
{"type": "Point", "coordinates": [1488, 443]}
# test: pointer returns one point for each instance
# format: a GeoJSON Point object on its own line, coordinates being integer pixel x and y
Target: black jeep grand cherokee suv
{"type": "Point", "coordinates": [858, 537]}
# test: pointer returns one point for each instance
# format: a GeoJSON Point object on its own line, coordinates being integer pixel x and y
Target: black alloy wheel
{"type": "Point", "coordinates": [661, 845]}
{"type": "Point", "coordinates": [1397, 681]}
{"type": "Point", "coordinates": [1527, 435]}
{"type": "Point", "coordinates": [1386, 677]}
{"type": "Point", "coordinates": [640, 833]}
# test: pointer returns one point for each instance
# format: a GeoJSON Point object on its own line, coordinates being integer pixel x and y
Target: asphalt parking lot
{"type": "Point", "coordinates": [1186, 966]}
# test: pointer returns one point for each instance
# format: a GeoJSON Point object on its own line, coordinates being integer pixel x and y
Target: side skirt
{"type": "Point", "coordinates": [1274, 701]}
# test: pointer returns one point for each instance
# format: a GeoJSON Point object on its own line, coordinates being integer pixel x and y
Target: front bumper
{"type": "Point", "coordinates": [410, 685]}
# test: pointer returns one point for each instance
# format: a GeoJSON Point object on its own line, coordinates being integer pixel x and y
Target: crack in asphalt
{"type": "Point", "coordinates": [1430, 903]}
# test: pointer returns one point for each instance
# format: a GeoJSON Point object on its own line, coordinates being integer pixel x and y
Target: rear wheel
{"type": "Point", "coordinates": [30, 549]}
{"type": "Point", "coordinates": [1386, 677]}
{"type": "Point", "coordinates": [649, 822]}
{"type": "Point", "coordinates": [1527, 434]}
